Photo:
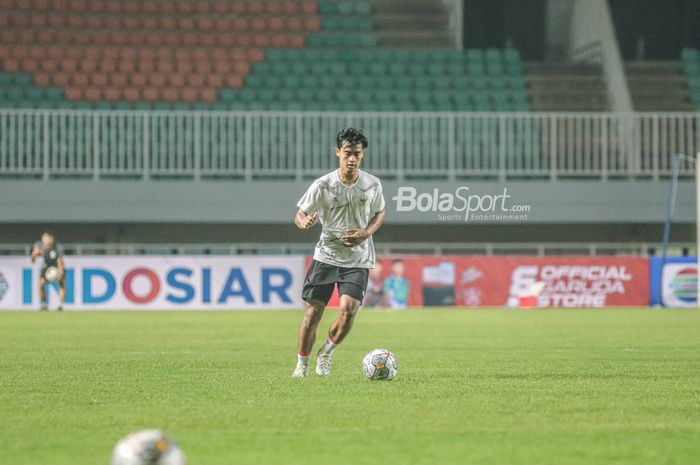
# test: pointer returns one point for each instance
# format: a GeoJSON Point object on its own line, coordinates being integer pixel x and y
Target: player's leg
{"type": "Point", "coordinates": [42, 292]}
{"type": "Point", "coordinates": [346, 316]}
{"type": "Point", "coordinates": [62, 293]}
{"type": "Point", "coordinates": [318, 288]}
{"type": "Point", "coordinates": [352, 290]}
{"type": "Point", "coordinates": [307, 335]}
{"type": "Point", "coordinates": [309, 326]}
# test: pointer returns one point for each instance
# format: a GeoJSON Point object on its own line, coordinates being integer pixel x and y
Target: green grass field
{"type": "Point", "coordinates": [474, 386]}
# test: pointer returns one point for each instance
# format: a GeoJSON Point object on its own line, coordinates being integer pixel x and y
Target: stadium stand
{"type": "Point", "coordinates": [690, 58]}
{"type": "Point", "coordinates": [235, 55]}
{"type": "Point", "coordinates": [566, 86]}
{"type": "Point", "coordinates": [659, 85]}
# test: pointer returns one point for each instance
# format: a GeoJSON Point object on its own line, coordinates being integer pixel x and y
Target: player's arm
{"type": "Point", "coordinates": [304, 221]}
{"type": "Point", "coordinates": [354, 237]}
{"type": "Point", "coordinates": [35, 253]}
{"type": "Point", "coordinates": [60, 265]}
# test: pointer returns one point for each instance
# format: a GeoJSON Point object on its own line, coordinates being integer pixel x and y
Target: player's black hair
{"type": "Point", "coordinates": [352, 136]}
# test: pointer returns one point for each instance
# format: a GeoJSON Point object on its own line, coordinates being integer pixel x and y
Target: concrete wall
{"type": "Point", "coordinates": [260, 202]}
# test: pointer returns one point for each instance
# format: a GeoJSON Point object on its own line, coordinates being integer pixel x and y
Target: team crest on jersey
{"type": "Point", "coordinates": [52, 254]}
{"type": "Point", "coordinates": [363, 199]}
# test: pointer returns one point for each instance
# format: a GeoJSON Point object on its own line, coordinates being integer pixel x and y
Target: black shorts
{"type": "Point", "coordinates": [322, 278]}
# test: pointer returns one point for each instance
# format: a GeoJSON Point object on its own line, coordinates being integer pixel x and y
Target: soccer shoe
{"type": "Point", "coordinates": [301, 371]}
{"type": "Point", "coordinates": [324, 364]}
{"type": "Point", "coordinates": [44, 307]}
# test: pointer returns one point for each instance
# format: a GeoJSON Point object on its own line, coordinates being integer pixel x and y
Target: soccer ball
{"type": "Point", "coordinates": [53, 274]}
{"type": "Point", "coordinates": [147, 447]}
{"type": "Point", "coordinates": [380, 364]}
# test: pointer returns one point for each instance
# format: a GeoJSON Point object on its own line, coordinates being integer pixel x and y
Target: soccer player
{"type": "Point", "coordinates": [349, 203]}
{"type": "Point", "coordinates": [52, 255]}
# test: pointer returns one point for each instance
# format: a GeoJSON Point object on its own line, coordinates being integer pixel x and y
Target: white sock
{"type": "Point", "coordinates": [302, 360]}
{"type": "Point", "coordinates": [329, 347]}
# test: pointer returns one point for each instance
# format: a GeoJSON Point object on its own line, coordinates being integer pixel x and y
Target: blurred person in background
{"type": "Point", "coordinates": [52, 256]}
{"type": "Point", "coordinates": [374, 297]}
{"type": "Point", "coordinates": [396, 286]}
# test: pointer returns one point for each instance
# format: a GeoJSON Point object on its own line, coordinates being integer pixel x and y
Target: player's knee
{"type": "Point", "coordinates": [314, 312]}
{"type": "Point", "coordinates": [349, 308]}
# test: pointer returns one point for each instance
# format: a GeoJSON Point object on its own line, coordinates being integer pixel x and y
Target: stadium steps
{"type": "Point", "coordinates": [566, 87]}
{"type": "Point", "coordinates": [412, 24]}
{"type": "Point", "coordinates": [658, 86]}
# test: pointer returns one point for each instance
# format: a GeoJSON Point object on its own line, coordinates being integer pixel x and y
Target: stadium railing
{"type": "Point", "coordinates": [288, 145]}
{"type": "Point", "coordinates": [447, 248]}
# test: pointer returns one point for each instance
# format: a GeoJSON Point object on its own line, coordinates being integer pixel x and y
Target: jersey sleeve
{"type": "Point", "coordinates": [310, 202]}
{"type": "Point", "coordinates": [378, 201]}
{"type": "Point", "coordinates": [59, 250]}
{"type": "Point", "coordinates": [38, 245]}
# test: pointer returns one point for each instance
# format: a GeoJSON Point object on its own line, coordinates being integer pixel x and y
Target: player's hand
{"type": "Point", "coordinates": [310, 221]}
{"type": "Point", "coordinates": [354, 237]}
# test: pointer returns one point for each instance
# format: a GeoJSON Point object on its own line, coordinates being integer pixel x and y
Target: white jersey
{"type": "Point", "coordinates": [339, 208]}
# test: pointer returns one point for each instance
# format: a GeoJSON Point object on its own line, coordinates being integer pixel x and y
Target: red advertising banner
{"type": "Point", "coordinates": [484, 281]}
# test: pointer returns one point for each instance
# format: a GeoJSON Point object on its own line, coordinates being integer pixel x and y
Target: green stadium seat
{"type": "Point", "coordinates": [291, 81]}
{"type": "Point", "coordinates": [397, 69]}
{"type": "Point", "coordinates": [22, 79]}
{"type": "Point", "coordinates": [310, 81]}
{"type": "Point", "coordinates": [53, 94]}
{"type": "Point", "coordinates": [692, 68]}
{"type": "Point", "coordinates": [262, 67]}
{"type": "Point", "coordinates": [498, 82]}
{"type": "Point", "coordinates": [423, 82]}
{"type": "Point", "coordinates": [254, 80]}
{"type": "Point", "coordinates": [328, 81]}
{"type": "Point", "coordinates": [228, 95]}
{"type": "Point", "coordinates": [275, 54]}
{"type": "Point", "coordinates": [319, 68]}
{"type": "Point", "coordinates": [306, 95]}
{"type": "Point", "coordinates": [511, 55]}
{"type": "Point", "coordinates": [286, 95]}
{"type": "Point", "coordinates": [273, 81]}
{"type": "Point", "coordinates": [247, 95]}
{"type": "Point", "coordinates": [280, 68]}
{"type": "Point", "coordinates": [5, 79]}
{"type": "Point", "coordinates": [300, 68]}
{"type": "Point", "coordinates": [404, 82]}
{"type": "Point", "coordinates": [422, 56]}
{"type": "Point", "coordinates": [417, 69]}
{"type": "Point", "coordinates": [442, 82]}
{"type": "Point", "coordinates": [363, 8]}
{"type": "Point", "coordinates": [368, 40]}
{"type": "Point", "coordinates": [455, 69]}
{"type": "Point", "coordinates": [475, 56]}
{"type": "Point", "coordinates": [384, 83]}
{"type": "Point", "coordinates": [327, 8]}
{"type": "Point", "coordinates": [347, 55]}
{"type": "Point", "coordinates": [378, 69]}
{"type": "Point", "coordinates": [476, 68]}
{"type": "Point", "coordinates": [493, 56]}
{"type": "Point", "coordinates": [478, 82]}
{"type": "Point", "coordinates": [690, 54]}
{"type": "Point", "coordinates": [495, 68]}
